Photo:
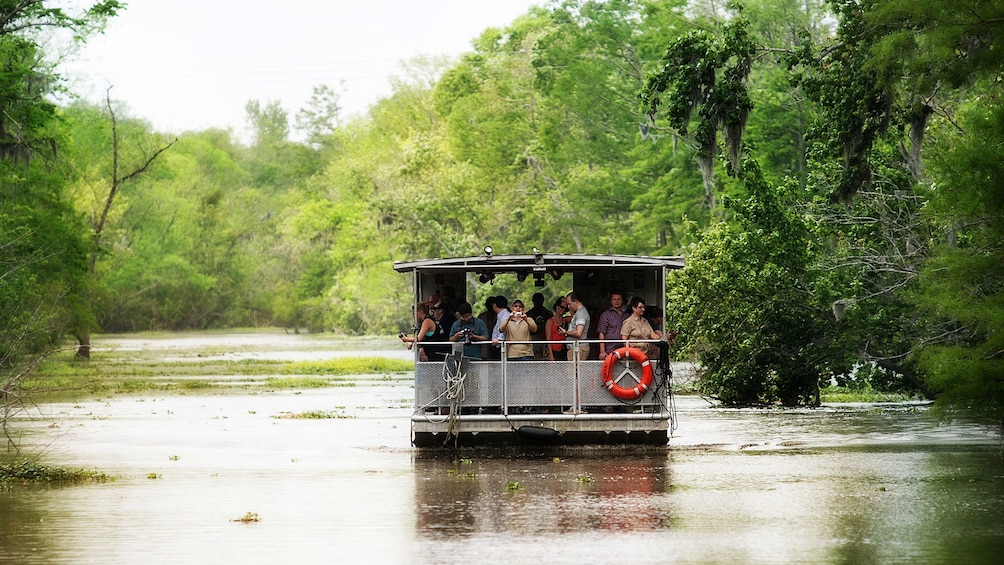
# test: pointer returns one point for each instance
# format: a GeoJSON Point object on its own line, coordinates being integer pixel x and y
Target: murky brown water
{"type": "Point", "coordinates": [861, 484]}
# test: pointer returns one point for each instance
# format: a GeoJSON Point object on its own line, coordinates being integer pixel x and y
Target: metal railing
{"type": "Point", "coordinates": [531, 386]}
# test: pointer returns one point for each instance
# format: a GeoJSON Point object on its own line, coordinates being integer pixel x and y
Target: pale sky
{"type": "Point", "coordinates": [194, 64]}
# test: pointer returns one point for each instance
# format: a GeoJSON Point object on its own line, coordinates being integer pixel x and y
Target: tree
{"type": "Point", "coordinates": [273, 160]}
{"type": "Point", "coordinates": [962, 286]}
{"type": "Point", "coordinates": [321, 116]}
{"type": "Point", "coordinates": [117, 178]}
{"type": "Point", "coordinates": [42, 248]}
{"type": "Point", "coordinates": [707, 74]}
{"type": "Point", "coordinates": [946, 74]}
{"type": "Point", "coordinates": [269, 123]}
{"type": "Point", "coordinates": [743, 303]}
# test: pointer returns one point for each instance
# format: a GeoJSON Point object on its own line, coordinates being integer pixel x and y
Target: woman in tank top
{"type": "Point", "coordinates": [551, 330]}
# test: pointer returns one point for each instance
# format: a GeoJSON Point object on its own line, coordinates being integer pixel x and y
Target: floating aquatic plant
{"type": "Point", "coordinates": [248, 518]}
{"type": "Point", "coordinates": [27, 473]}
{"type": "Point", "coordinates": [313, 415]}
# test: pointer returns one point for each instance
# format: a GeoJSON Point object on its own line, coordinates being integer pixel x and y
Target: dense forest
{"type": "Point", "coordinates": [830, 170]}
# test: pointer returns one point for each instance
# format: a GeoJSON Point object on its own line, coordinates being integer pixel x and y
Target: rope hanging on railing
{"type": "Point", "coordinates": [454, 375]}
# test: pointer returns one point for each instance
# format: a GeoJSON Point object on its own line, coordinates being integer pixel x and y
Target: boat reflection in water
{"type": "Point", "coordinates": [536, 494]}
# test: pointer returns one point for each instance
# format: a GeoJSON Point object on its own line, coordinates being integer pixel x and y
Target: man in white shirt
{"type": "Point", "coordinates": [578, 327]}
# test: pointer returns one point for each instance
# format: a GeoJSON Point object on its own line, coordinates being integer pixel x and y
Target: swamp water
{"type": "Point", "coordinates": [839, 484]}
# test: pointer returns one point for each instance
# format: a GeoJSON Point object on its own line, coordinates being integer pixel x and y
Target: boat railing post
{"type": "Point", "coordinates": [505, 377]}
{"type": "Point", "coordinates": [576, 405]}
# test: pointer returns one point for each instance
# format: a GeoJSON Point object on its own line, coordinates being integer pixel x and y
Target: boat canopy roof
{"type": "Point", "coordinates": [535, 262]}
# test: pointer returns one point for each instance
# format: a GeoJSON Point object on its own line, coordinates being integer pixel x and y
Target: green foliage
{"type": "Point", "coordinates": [743, 304]}
{"type": "Point", "coordinates": [42, 268]}
{"type": "Point", "coordinates": [42, 247]}
{"type": "Point", "coordinates": [29, 473]}
{"type": "Point", "coordinates": [963, 284]}
{"type": "Point", "coordinates": [855, 105]}
{"type": "Point", "coordinates": [707, 74]}
{"type": "Point", "coordinates": [862, 247]}
{"type": "Point", "coordinates": [349, 366]}
{"type": "Point", "coordinates": [321, 116]}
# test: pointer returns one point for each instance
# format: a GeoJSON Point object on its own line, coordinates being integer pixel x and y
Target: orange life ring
{"type": "Point", "coordinates": [644, 383]}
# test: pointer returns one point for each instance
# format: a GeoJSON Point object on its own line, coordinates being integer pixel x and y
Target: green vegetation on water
{"type": "Point", "coordinates": [112, 373]}
{"type": "Point", "coordinates": [314, 415]}
{"type": "Point", "coordinates": [843, 394]}
{"type": "Point", "coordinates": [30, 473]}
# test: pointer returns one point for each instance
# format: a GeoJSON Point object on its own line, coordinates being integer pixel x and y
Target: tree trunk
{"type": "Point", "coordinates": [84, 345]}
{"type": "Point", "coordinates": [84, 333]}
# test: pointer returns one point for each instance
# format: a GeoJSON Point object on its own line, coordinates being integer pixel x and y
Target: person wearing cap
{"type": "Point", "coordinates": [518, 327]}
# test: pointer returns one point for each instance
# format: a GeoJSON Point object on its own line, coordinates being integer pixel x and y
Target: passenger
{"type": "Point", "coordinates": [540, 314]}
{"type": "Point", "coordinates": [578, 326]}
{"type": "Point", "coordinates": [609, 327]}
{"type": "Point", "coordinates": [489, 318]}
{"type": "Point", "coordinates": [518, 327]}
{"type": "Point", "coordinates": [472, 331]}
{"type": "Point", "coordinates": [655, 319]}
{"type": "Point", "coordinates": [426, 330]}
{"type": "Point", "coordinates": [444, 315]}
{"type": "Point", "coordinates": [501, 307]}
{"type": "Point", "coordinates": [448, 295]}
{"type": "Point", "coordinates": [637, 327]}
{"type": "Point", "coordinates": [439, 352]}
{"type": "Point", "coordinates": [554, 323]}
{"type": "Point", "coordinates": [433, 299]}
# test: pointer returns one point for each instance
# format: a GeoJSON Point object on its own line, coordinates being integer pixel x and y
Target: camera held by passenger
{"type": "Point", "coordinates": [467, 333]}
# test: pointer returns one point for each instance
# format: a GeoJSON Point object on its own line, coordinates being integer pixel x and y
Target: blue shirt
{"type": "Point", "coordinates": [478, 327]}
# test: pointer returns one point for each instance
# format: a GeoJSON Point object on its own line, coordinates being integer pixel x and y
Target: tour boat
{"type": "Point", "coordinates": [624, 398]}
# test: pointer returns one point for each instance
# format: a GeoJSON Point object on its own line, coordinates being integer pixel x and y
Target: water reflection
{"type": "Point", "coordinates": [872, 484]}
{"type": "Point", "coordinates": [533, 495]}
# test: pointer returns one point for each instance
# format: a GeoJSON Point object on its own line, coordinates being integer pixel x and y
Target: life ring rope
{"type": "Point", "coordinates": [642, 384]}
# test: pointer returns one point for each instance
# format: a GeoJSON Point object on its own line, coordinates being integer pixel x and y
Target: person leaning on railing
{"type": "Point", "coordinates": [426, 330]}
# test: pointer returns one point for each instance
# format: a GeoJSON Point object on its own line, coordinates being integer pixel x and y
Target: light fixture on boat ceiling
{"type": "Point", "coordinates": [521, 276]}
{"type": "Point", "coordinates": [488, 251]}
{"type": "Point", "coordinates": [556, 274]}
{"type": "Point", "coordinates": [487, 276]}
{"type": "Point", "coordinates": [538, 257]}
